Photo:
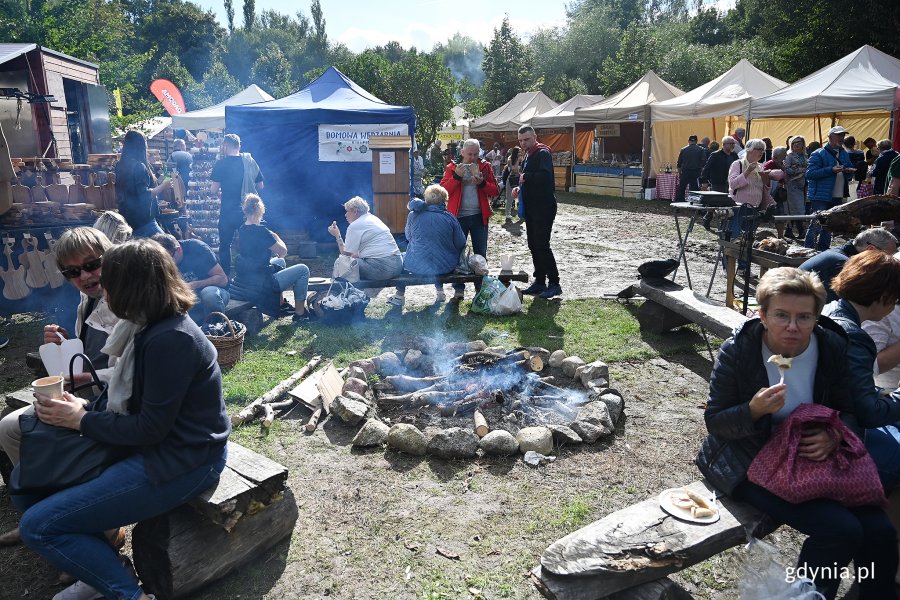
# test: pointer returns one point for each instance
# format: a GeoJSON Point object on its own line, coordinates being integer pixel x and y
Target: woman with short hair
{"type": "Point", "coordinates": [747, 401]}
{"type": "Point", "coordinates": [167, 415]}
{"type": "Point", "coordinates": [114, 226]}
{"type": "Point", "coordinates": [795, 164]}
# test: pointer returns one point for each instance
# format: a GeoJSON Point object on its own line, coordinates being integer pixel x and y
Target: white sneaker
{"type": "Point", "coordinates": [78, 591]}
{"type": "Point", "coordinates": [440, 296]}
{"type": "Point", "coordinates": [396, 300]}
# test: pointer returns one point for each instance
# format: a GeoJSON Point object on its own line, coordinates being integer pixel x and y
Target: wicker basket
{"type": "Point", "coordinates": [230, 348]}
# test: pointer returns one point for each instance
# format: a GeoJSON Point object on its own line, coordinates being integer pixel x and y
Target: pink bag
{"type": "Point", "coordinates": [848, 475]}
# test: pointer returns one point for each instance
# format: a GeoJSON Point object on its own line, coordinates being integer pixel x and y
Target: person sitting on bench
{"type": "Point", "coordinates": [262, 278]}
{"type": "Point", "coordinates": [201, 271]}
{"type": "Point", "coordinates": [747, 402]}
{"type": "Point", "coordinates": [170, 422]}
{"type": "Point", "coordinates": [435, 240]}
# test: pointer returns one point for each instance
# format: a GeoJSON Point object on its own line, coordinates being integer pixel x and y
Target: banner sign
{"type": "Point", "coordinates": [450, 137]}
{"type": "Point", "coordinates": [350, 143]}
{"type": "Point", "coordinates": [608, 130]}
{"type": "Point", "coordinates": [167, 93]}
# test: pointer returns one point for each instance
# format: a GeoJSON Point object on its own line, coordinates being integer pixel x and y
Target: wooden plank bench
{"type": "Point", "coordinates": [246, 513]}
{"type": "Point", "coordinates": [669, 305]}
{"type": "Point", "coordinates": [629, 553]}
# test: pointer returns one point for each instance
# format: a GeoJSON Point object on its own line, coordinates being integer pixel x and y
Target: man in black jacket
{"type": "Point", "coordinates": [536, 187]}
{"type": "Point", "coordinates": [690, 162]}
{"type": "Point", "coordinates": [715, 172]}
{"type": "Point", "coordinates": [879, 170]}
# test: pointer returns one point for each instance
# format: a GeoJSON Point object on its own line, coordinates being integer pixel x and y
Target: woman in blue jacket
{"type": "Point", "coordinates": [435, 238]}
{"type": "Point", "coordinates": [172, 426]}
{"type": "Point", "coordinates": [827, 176]}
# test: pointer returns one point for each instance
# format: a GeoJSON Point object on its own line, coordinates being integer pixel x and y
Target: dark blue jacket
{"type": "Point", "coordinates": [820, 176]}
{"type": "Point", "coordinates": [738, 374]}
{"type": "Point", "coordinates": [828, 264]}
{"type": "Point", "coordinates": [177, 417]}
{"type": "Point", "coordinates": [435, 239]}
{"type": "Point", "coordinates": [871, 408]}
{"type": "Point", "coordinates": [539, 190]}
{"type": "Point", "coordinates": [880, 170]}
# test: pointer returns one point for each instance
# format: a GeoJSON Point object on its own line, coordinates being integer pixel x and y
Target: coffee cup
{"type": "Point", "coordinates": [49, 386]}
{"type": "Point", "coordinates": [506, 262]}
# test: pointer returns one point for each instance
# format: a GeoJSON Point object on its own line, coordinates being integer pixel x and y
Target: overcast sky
{"type": "Point", "coordinates": [360, 24]}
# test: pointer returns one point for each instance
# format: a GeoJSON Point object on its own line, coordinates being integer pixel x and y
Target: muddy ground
{"type": "Point", "coordinates": [371, 524]}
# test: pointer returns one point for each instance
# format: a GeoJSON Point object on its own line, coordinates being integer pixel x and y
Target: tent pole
{"type": "Point", "coordinates": [574, 155]}
{"type": "Point", "coordinates": [819, 124]}
{"type": "Point", "coordinates": [645, 158]}
{"type": "Point", "coordinates": [715, 135]}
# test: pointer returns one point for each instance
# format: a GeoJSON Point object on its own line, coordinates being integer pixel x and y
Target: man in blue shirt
{"type": "Point", "coordinates": [200, 269]}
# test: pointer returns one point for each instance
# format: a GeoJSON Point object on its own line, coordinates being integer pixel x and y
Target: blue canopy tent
{"type": "Point", "coordinates": [312, 147]}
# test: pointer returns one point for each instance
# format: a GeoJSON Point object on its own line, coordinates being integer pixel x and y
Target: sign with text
{"type": "Point", "coordinates": [608, 130]}
{"type": "Point", "coordinates": [350, 143]}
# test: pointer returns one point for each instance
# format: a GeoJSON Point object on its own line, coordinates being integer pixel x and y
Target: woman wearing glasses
{"type": "Point", "coordinates": [868, 289]}
{"type": "Point", "coordinates": [747, 402]}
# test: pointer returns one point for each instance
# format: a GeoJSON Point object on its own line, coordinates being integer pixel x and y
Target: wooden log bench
{"type": "Point", "coordinates": [246, 513]}
{"type": "Point", "coordinates": [628, 555]}
{"type": "Point", "coordinates": [669, 305]}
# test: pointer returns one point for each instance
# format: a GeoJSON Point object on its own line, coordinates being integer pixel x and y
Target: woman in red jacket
{"type": "Point", "coordinates": [470, 184]}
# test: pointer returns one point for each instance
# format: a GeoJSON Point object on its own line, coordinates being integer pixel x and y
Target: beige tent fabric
{"type": "Point", "coordinates": [512, 115]}
{"type": "Point", "coordinates": [631, 104]}
{"type": "Point", "coordinates": [669, 137]}
{"type": "Point", "coordinates": [213, 117]}
{"type": "Point", "coordinates": [564, 114]}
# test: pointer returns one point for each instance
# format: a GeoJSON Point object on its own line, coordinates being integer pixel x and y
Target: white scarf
{"type": "Point", "coordinates": [120, 344]}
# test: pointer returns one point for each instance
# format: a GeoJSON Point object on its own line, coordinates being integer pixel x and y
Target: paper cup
{"type": "Point", "coordinates": [506, 262]}
{"type": "Point", "coordinates": [50, 386]}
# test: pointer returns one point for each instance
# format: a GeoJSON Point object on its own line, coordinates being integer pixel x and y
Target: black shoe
{"type": "Point", "coordinates": [286, 309]}
{"type": "Point", "coordinates": [3, 341]}
{"type": "Point", "coordinates": [297, 319]}
{"type": "Point", "coordinates": [552, 291]}
{"type": "Point", "coordinates": [535, 288]}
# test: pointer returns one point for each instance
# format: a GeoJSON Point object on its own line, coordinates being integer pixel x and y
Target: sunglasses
{"type": "Point", "coordinates": [88, 267]}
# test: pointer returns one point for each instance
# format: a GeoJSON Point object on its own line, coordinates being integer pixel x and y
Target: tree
{"type": "Point", "coordinates": [320, 38]}
{"type": "Point", "coordinates": [183, 29]}
{"type": "Point", "coordinates": [249, 14]}
{"type": "Point", "coordinates": [218, 84]}
{"type": "Point", "coordinates": [554, 71]}
{"type": "Point", "coordinates": [463, 56]}
{"type": "Point", "coordinates": [433, 102]}
{"type": "Point", "coordinates": [506, 67]}
{"type": "Point", "coordinates": [229, 15]}
{"type": "Point", "coordinates": [636, 55]}
{"type": "Point", "coordinates": [272, 71]}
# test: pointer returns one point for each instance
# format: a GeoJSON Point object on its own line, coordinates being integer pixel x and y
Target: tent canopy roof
{"type": "Point", "coordinates": [866, 79]}
{"type": "Point", "coordinates": [515, 113]}
{"type": "Point", "coordinates": [726, 95]}
{"type": "Point", "coordinates": [564, 114]}
{"type": "Point", "coordinates": [634, 99]}
{"type": "Point", "coordinates": [213, 117]}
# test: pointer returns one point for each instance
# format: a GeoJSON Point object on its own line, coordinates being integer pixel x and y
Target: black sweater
{"type": "Point", "coordinates": [538, 191]}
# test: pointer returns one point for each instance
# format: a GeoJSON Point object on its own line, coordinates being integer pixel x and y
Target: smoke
{"type": "Point", "coordinates": [467, 65]}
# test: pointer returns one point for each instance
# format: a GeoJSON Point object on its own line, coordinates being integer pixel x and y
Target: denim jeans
{"type": "Point", "coordinates": [209, 299]}
{"type": "Point", "coordinates": [67, 527]}
{"type": "Point", "coordinates": [883, 445]}
{"type": "Point", "coordinates": [815, 229]}
{"type": "Point", "coordinates": [296, 276]}
{"type": "Point", "coordinates": [147, 230]}
{"type": "Point", "coordinates": [473, 226]}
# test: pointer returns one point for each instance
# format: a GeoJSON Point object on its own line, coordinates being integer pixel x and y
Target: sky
{"type": "Point", "coordinates": [361, 24]}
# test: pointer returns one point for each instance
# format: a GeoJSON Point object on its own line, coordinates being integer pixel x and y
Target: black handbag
{"type": "Point", "coordinates": [55, 458]}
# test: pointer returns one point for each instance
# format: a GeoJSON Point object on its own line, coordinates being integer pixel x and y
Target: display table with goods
{"type": "Point", "coordinates": [202, 205]}
{"type": "Point", "coordinates": [608, 180]}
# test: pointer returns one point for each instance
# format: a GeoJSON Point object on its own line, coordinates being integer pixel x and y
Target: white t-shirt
{"type": "Point", "coordinates": [885, 332]}
{"type": "Point", "coordinates": [370, 237]}
{"type": "Point", "coordinates": [800, 378]}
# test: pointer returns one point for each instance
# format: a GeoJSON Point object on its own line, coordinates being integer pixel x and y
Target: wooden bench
{"type": "Point", "coordinates": [669, 305]}
{"type": "Point", "coordinates": [246, 513]}
{"type": "Point", "coordinates": [630, 553]}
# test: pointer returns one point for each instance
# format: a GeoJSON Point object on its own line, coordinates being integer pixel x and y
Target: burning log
{"type": "Point", "coordinates": [481, 425]}
{"type": "Point", "coordinates": [405, 383]}
{"type": "Point", "coordinates": [467, 404]}
{"type": "Point", "coordinates": [461, 347]}
{"type": "Point", "coordinates": [423, 398]}
{"type": "Point", "coordinates": [483, 357]}
{"type": "Point", "coordinates": [254, 409]}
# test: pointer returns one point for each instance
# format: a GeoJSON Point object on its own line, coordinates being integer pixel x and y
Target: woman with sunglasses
{"type": "Point", "coordinates": [747, 401]}
{"type": "Point", "coordinates": [868, 289]}
{"type": "Point", "coordinates": [135, 191]}
{"type": "Point", "coordinates": [164, 408]}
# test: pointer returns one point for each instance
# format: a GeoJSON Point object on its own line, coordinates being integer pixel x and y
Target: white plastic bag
{"type": "Point", "coordinates": [478, 264]}
{"type": "Point", "coordinates": [764, 578]}
{"type": "Point", "coordinates": [507, 303]}
{"type": "Point", "coordinates": [346, 267]}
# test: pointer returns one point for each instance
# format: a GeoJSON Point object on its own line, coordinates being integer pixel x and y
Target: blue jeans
{"type": "Point", "coordinates": [209, 299]}
{"type": "Point", "coordinates": [297, 277]}
{"type": "Point", "coordinates": [473, 226]}
{"type": "Point", "coordinates": [815, 229]}
{"type": "Point", "coordinates": [147, 230]}
{"type": "Point", "coordinates": [883, 445]}
{"type": "Point", "coordinates": [67, 527]}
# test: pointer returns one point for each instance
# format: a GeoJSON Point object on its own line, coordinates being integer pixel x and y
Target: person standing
{"type": "Point", "coordinates": [418, 172]}
{"type": "Point", "coordinates": [882, 163]}
{"type": "Point", "coordinates": [182, 159]}
{"type": "Point", "coordinates": [691, 160]}
{"type": "Point", "coordinates": [715, 171]}
{"type": "Point", "coordinates": [795, 164]}
{"type": "Point", "coordinates": [236, 174]}
{"type": "Point", "coordinates": [510, 179]}
{"type": "Point", "coordinates": [470, 185]}
{"type": "Point", "coordinates": [135, 194]}
{"type": "Point", "coordinates": [536, 191]}
{"type": "Point", "coordinates": [827, 173]}
{"type": "Point", "coordinates": [738, 137]}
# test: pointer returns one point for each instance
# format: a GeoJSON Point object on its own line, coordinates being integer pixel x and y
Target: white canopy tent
{"type": "Point", "coordinates": [213, 117]}
{"type": "Point", "coordinates": [860, 91]}
{"type": "Point", "coordinates": [512, 115]}
{"type": "Point", "coordinates": [563, 115]}
{"type": "Point", "coordinates": [712, 110]}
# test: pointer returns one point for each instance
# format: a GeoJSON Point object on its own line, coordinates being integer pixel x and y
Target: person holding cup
{"type": "Point", "coordinates": [827, 177]}
{"type": "Point", "coordinates": [136, 188]}
{"type": "Point", "coordinates": [164, 407]}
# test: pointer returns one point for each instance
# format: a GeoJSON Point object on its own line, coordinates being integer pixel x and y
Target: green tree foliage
{"type": "Point", "coordinates": [229, 15]}
{"type": "Point", "coordinates": [506, 66]}
{"type": "Point", "coordinates": [553, 70]}
{"type": "Point", "coordinates": [219, 84]}
{"type": "Point", "coordinates": [249, 14]}
{"type": "Point", "coordinates": [272, 72]}
{"type": "Point", "coordinates": [183, 29]}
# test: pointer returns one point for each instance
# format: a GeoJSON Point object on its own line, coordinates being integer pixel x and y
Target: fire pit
{"type": "Point", "coordinates": [452, 400]}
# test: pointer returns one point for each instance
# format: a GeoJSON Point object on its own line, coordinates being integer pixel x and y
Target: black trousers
{"type": "Point", "coordinates": [538, 227]}
{"type": "Point", "coordinates": [688, 177]}
{"type": "Point", "coordinates": [228, 226]}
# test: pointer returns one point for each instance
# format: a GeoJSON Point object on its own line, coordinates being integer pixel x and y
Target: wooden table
{"type": "Point", "coordinates": [766, 261]}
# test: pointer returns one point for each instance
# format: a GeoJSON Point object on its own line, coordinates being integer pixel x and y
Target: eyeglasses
{"type": "Point", "coordinates": [89, 267]}
{"type": "Point", "coordinates": [783, 319]}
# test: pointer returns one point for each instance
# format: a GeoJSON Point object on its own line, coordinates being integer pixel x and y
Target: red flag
{"type": "Point", "coordinates": [167, 93]}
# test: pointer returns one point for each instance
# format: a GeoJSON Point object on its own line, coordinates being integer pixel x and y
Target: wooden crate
{"type": "Point", "coordinates": [562, 176]}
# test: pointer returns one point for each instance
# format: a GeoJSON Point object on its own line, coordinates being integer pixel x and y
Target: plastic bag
{"type": "Point", "coordinates": [346, 267]}
{"type": "Point", "coordinates": [478, 264]}
{"type": "Point", "coordinates": [507, 303]}
{"type": "Point", "coordinates": [763, 578]}
{"type": "Point", "coordinates": [490, 288]}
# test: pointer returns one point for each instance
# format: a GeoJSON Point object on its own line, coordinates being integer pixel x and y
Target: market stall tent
{"type": "Point", "coordinates": [213, 117]}
{"type": "Point", "coordinates": [860, 92]}
{"type": "Point", "coordinates": [563, 117]}
{"type": "Point", "coordinates": [712, 110]}
{"type": "Point", "coordinates": [503, 123]}
{"type": "Point", "coordinates": [312, 148]}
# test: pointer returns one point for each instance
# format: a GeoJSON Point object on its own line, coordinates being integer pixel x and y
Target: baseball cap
{"type": "Point", "coordinates": [692, 138]}
{"type": "Point", "coordinates": [837, 130]}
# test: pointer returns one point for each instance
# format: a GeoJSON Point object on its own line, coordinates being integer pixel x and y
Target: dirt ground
{"type": "Point", "coordinates": [371, 524]}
